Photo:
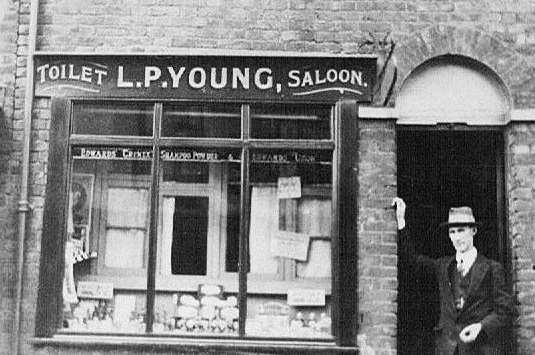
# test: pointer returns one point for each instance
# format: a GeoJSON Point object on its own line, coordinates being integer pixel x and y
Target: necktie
{"type": "Point", "coordinates": [460, 266]}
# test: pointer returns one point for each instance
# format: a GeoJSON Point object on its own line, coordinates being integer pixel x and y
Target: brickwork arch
{"type": "Point", "coordinates": [453, 88]}
{"type": "Point", "coordinates": [512, 68]}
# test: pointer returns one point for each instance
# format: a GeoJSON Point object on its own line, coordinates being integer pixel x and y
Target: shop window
{"type": "Point", "coordinates": [121, 119]}
{"type": "Point", "coordinates": [195, 120]}
{"type": "Point", "coordinates": [125, 228]}
{"type": "Point", "coordinates": [295, 122]}
{"type": "Point", "coordinates": [170, 233]}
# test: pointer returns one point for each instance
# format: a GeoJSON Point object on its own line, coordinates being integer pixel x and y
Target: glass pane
{"type": "Point", "coordinates": [111, 118]}
{"type": "Point", "coordinates": [195, 120]}
{"type": "Point", "coordinates": [124, 248]}
{"type": "Point", "coordinates": [107, 239]}
{"type": "Point", "coordinates": [186, 172]}
{"type": "Point", "coordinates": [198, 243]}
{"type": "Point", "coordinates": [289, 282]}
{"type": "Point", "coordinates": [291, 122]}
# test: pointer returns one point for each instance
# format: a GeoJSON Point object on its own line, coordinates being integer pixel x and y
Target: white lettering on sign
{"type": "Point", "coordinates": [240, 77]}
{"type": "Point", "coordinates": [222, 81]}
{"type": "Point", "coordinates": [98, 290]}
{"type": "Point", "coordinates": [263, 79]}
{"type": "Point", "coordinates": [86, 153]}
{"type": "Point", "coordinates": [289, 187]}
{"type": "Point", "coordinates": [200, 78]}
{"type": "Point", "coordinates": [193, 155]}
{"type": "Point", "coordinates": [317, 77]}
{"type": "Point", "coordinates": [136, 154]}
{"type": "Point", "coordinates": [121, 83]}
{"type": "Point", "coordinates": [113, 154]}
{"type": "Point", "coordinates": [290, 245]}
{"type": "Point", "coordinates": [176, 75]}
{"type": "Point", "coordinates": [306, 297]}
{"type": "Point", "coordinates": [152, 74]}
{"type": "Point", "coordinates": [283, 157]}
{"type": "Point", "coordinates": [197, 78]}
{"type": "Point", "coordinates": [92, 74]}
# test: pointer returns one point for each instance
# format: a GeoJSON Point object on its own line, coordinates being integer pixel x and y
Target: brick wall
{"type": "Point", "coordinates": [520, 185]}
{"type": "Point", "coordinates": [377, 235]}
{"type": "Point", "coordinates": [9, 169]}
{"type": "Point", "coordinates": [498, 33]}
{"type": "Point", "coordinates": [332, 26]}
{"type": "Point", "coordinates": [513, 67]}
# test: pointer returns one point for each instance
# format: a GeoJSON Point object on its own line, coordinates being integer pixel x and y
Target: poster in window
{"type": "Point", "coordinates": [82, 198]}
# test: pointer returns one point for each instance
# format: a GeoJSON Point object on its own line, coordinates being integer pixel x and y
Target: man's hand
{"type": "Point", "coordinates": [470, 332]}
{"type": "Point", "coordinates": [400, 207]}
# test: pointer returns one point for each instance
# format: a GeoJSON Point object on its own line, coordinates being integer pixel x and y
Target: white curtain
{"type": "Point", "coordinates": [126, 227]}
{"type": "Point", "coordinates": [124, 248]}
{"type": "Point", "coordinates": [168, 210]}
{"type": "Point", "coordinates": [318, 264]}
{"type": "Point", "coordinates": [314, 218]}
{"type": "Point", "coordinates": [69, 288]}
{"type": "Point", "coordinates": [264, 224]}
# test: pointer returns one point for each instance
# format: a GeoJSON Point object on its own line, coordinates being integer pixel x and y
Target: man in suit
{"type": "Point", "coordinates": [475, 305]}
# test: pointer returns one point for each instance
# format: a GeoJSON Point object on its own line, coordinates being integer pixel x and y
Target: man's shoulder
{"type": "Point", "coordinates": [491, 262]}
{"type": "Point", "coordinates": [484, 259]}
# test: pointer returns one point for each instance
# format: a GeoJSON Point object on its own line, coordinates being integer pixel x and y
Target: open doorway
{"type": "Point", "coordinates": [437, 169]}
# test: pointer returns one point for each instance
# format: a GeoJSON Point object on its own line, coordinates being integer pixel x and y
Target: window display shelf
{"type": "Point", "coordinates": [264, 286]}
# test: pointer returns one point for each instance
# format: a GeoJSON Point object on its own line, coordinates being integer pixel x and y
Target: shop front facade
{"type": "Point", "coordinates": [174, 190]}
{"type": "Point", "coordinates": [204, 197]}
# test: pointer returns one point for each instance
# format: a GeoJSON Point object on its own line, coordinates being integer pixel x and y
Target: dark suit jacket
{"type": "Point", "coordinates": [488, 301]}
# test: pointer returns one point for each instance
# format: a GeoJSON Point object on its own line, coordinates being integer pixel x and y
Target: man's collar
{"type": "Point", "coordinates": [468, 257]}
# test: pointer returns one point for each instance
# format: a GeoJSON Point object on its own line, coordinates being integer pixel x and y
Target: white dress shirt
{"type": "Point", "coordinates": [466, 260]}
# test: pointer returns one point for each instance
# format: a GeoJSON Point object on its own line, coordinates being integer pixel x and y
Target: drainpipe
{"type": "Point", "coordinates": [23, 204]}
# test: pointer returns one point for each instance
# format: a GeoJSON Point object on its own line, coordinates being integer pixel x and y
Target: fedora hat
{"type": "Point", "coordinates": [460, 216]}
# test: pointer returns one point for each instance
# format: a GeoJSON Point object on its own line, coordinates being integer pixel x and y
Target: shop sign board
{"type": "Point", "coordinates": [96, 290]}
{"type": "Point", "coordinates": [255, 78]}
{"type": "Point", "coordinates": [120, 153]}
{"type": "Point", "coordinates": [289, 187]}
{"type": "Point", "coordinates": [290, 245]}
{"type": "Point", "coordinates": [306, 297]}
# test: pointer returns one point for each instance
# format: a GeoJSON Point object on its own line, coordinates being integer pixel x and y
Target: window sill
{"type": "Point", "coordinates": [191, 344]}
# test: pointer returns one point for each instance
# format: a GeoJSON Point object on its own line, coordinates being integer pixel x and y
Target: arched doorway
{"type": "Point", "coordinates": [450, 153]}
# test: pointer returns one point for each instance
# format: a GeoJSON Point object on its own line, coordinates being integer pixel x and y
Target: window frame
{"type": "Point", "coordinates": [344, 147]}
{"type": "Point", "coordinates": [112, 181]}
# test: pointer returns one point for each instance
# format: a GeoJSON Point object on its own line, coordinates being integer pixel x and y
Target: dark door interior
{"type": "Point", "coordinates": [190, 236]}
{"type": "Point", "coordinates": [438, 169]}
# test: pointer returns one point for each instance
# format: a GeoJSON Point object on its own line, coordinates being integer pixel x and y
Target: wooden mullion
{"type": "Point", "coordinates": [243, 263]}
{"type": "Point", "coordinates": [201, 142]}
{"type": "Point", "coordinates": [80, 139]}
{"type": "Point", "coordinates": [291, 144]}
{"type": "Point", "coordinates": [153, 225]}
{"type": "Point", "coordinates": [504, 253]}
{"type": "Point", "coordinates": [52, 266]}
{"type": "Point", "coordinates": [344, 228]}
